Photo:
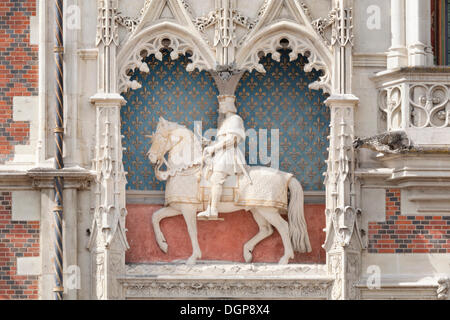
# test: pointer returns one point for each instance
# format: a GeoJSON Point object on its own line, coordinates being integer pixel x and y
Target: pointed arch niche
{"type": "Point", "coordinates": [282, 99]}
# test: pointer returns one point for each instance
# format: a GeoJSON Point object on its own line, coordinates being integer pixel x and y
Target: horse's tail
{"type": "Point", "coordinates": [298, 231]}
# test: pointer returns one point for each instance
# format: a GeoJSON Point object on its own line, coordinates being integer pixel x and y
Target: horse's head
{"type": "Point", "coordinates": [183, 148]}
{"type": "Point", "coordinates": [160, 139]}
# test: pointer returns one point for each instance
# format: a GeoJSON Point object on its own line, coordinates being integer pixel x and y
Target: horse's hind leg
{"type": "Point", "coordinates": [190, 217]}
{"type": "Point", "coordinates": [273, 216]}
{"type": "Point", "coordinates": [156, 219]}
{"type": "Point", "coordinates": [265, 230]}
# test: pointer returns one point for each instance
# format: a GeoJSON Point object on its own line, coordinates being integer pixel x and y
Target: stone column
{"type": "Point", "coordinates": [76, 180]}
{"type": "Point", "coordinates": [108, 242]}
{"type": "Point", "coordinates": [418, 33]}
{"type": "Point", "coordinates": [342, 244]}
{"type": "Point", "coordinates": [398, 53]}
{"type": "Point", "coordinates": [41, 149]}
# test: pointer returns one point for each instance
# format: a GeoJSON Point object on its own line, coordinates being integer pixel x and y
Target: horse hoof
{"type": "Point", "coordinates": [191, 261]}
{"type": "Point", "coordinates": [284, 260]}
{"type": "Point", "coordinates": [248, 256]}
{"type": "Point", "coordinates": [164, 246]}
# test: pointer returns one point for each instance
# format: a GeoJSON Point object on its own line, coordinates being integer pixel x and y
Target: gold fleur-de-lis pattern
{"type": "Point", "coordinates": [168, 90]}
{"type": "Point", "coordinates": [281, 99]}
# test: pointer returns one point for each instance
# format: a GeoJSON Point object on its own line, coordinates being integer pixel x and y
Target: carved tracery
{"type": "Point", "coordinates": [264, 35]}
{"type": "Point", "coordinates": [271, 45]}
{"type": "Point", "coordinates": [147, 45]}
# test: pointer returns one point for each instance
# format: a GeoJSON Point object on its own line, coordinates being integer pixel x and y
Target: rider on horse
{"type": "Point", "coordinates": [225, 157]}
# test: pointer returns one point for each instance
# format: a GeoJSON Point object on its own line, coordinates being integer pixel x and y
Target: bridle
{"type": "Point", "coordinates": [161, 159]}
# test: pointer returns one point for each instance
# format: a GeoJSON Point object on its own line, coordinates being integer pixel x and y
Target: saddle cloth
{"type": "Point", "coordinates": [269, 188]}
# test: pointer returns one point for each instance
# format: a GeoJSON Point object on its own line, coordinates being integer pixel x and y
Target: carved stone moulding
{"type": "Point", "coordinates": [74, 178]}
{"type": "Point", "coordinates": [406, 289]}
{"type": "Point", "coordinates": [226, 281]}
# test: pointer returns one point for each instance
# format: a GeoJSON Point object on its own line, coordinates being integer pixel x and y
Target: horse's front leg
{"type": "Point", "coordinates": [156, 219]}
{"type": "Point", "coordinates": [190, 216]}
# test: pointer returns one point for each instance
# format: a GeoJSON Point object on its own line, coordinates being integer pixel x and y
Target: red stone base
{"type": "Point", "coordinates": [219, 240]}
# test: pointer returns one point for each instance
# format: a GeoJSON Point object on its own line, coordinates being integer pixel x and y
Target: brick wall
{"type": "Point", "coordinates": [408, 234]}
{"type": "Point", "coordinates": [18, 70]}
{"type": "Point", "coordinates": [17, 239]}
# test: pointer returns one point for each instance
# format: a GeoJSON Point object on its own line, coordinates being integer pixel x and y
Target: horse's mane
{"type": "Point", "coordinates": [171, 126]}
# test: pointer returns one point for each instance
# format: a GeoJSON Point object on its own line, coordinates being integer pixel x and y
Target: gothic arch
{"type": "Point", "coordinates": [301, 39]}
{"type": "Point", "coordinates": [151, 40]}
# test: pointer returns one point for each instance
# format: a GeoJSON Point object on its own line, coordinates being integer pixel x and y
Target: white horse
{"type": "Point", "coordinates": [182, 194]}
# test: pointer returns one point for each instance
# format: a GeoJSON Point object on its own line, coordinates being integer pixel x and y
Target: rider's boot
{"type": "Point", "coordinates": [212, 212]}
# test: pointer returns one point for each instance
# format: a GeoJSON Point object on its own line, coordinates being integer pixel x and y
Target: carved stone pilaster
{"type": "Point", "coordinates": [108, 239]}
{"type": "Point", "coordinates": [107, 242]}
{"type": "Point", "coordinates": [342, 44]}
{"type": "Point", "coordinates": [107, 40]}
{"type": "Point", "coordinates": [443, 288]}
{"type": "Point", "coordinates": [343, 242]}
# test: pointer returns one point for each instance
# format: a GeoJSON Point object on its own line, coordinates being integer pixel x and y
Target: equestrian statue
{"type": "Point", "coordinates": [203, 182]}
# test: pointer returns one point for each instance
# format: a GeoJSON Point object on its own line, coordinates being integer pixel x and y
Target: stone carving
{"type": "Point", "coordinates": [427, 105]}
{"type": "Point", "coordinates": [99, 265]}
{"type": "Point", "coordinates": [225, 73]}
{"type": "Point", "coordinates": [223, 158]}
{"type": "Point", "coordinates": [430, 105]}
{"type": "Point", "coordinates": [109, 217]}
{"type": "Point", "coordinates": [344, 223]}
{"type": "Point", "coordinates": [443, 288]}
{"type": "Point", "coordinates": [107, 31]}
{"type": "Point", "coordinates": [127, 22]}
{"type": "Point", "coordinates": [153, 45]}
{"type": "Point", "coordinates": [226, 280]}
{"type": "Point", "coordinates": [224, 17]}
{"type": "Point", "coordinates": [342, 33]}
{"type": "Point", "coordinates": [266, 202]}
{"type": "Point", "coordinates": [322, 24]}
{"type": "Point", "coordinates": [390, 105]}
{"type": "Point", "coordinates": [265, 34]}
{"type": "Point", "coordinates": [203, 288]}
{"type": "Point", "coordinates": [263, 8]}
{"type": "Point", "coordinates": [107, 241]}
{"type": "Point", "coordinates": [226, 270]}
{"type": "Point", "coordinates": [204, 22]}
{"type": "Point", "coordinates": [389, 143]}
{"type": "Point", "coordinates": [189, 36]}
{"type": "Point", "coordinates": [335, 268]}
{"type": "Point", "coordinates": [271, 45]}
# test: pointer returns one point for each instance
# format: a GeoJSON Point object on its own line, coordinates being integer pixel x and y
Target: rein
{"type": "Point", "coordinates": [164, 175]}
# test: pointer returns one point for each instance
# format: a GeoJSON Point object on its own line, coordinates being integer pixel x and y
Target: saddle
{"type": "Point", "coordinates": [229, 191]}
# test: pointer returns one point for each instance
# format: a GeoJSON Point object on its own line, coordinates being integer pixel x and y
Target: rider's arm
{"type": "Point", "coordinates": [229, 142]}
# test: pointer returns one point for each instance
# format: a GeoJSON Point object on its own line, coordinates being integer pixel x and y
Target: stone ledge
{"type": "Point", "coordinates": [400, 289]}
{"type": "Point", "coordinates": [41, 178]}
{"type": "Point", "coordinates": [214, 281]}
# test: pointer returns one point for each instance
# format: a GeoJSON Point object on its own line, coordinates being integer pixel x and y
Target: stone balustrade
{"type": "Point", "coordinates": [416, 100]}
